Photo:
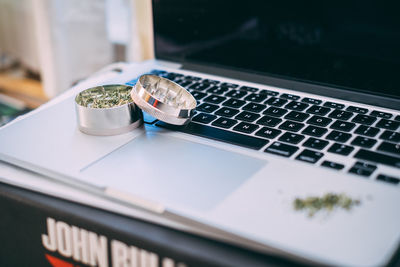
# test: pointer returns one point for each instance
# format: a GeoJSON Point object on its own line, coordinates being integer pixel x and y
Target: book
{"type": "Point", "coordinates": [41, 230]}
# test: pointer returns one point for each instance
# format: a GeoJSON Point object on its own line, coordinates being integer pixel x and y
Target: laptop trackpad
{"type": "Point", "coordinates": [171, 170]}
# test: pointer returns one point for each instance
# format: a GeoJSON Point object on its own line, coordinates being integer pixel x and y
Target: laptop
{"type": "Point", "coordinates": [295, 100]}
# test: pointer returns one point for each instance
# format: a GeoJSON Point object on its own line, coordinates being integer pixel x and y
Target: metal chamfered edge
{"type": "Point", "coordinates": [158, 109]}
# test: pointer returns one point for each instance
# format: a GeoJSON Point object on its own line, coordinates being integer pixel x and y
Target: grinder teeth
{"type": "Point", "coordinates": [164, 94]}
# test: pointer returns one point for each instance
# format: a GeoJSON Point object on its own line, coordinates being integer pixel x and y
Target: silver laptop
{"type": "Point", "coordinates": [294, 100]}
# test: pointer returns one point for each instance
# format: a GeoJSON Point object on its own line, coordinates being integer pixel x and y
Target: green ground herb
{"type": "Point", "coordinates": [327, 202]}
{"type": "Point", "coordinates": [105, 96]}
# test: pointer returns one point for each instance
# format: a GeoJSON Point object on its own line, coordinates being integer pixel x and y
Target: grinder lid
{"type": "Point", "coordinates": [164, 99]}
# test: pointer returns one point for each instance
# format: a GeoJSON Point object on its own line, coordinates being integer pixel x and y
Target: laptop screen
{"type": "Point", "coordinates": [347, 44]}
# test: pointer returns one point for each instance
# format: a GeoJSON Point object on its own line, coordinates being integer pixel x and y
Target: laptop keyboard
{"type": "Point", "coordinates": [305, 129]}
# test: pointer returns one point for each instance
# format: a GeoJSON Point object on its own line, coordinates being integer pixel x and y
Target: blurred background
{"type": "Point", "coordinates": [46, 46]}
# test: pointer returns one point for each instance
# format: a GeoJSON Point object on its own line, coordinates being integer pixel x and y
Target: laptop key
{"type": "Point", "coordinates": [255, 98]}
{"type": "Point", "coordinates": [247, 116]}
{"type": "Point", "coordinates": [208, 108]}
{"type": "Point", "coordinates": [364, 119]}
{"type": "Point", "coordinates": [332, 165]}
{"type": "Point", "coordinates": [219, 135]}
{"type": "Point", "coordinates": [319, 121]}
{"type": "Point", "coordinates": [236, 93]}
{"type": "Point", "coordinates": [214, 99]}
{"type": "Point", "coordinates": [269, 92]}
{"type": "Point", "coordinates": [390, 136]}
{"type": "Point", "coordinates": [315, 143]}
{"type": "Point", "coordinates": [199, 86]}
{"type": "Point", "coordinates": [204, 118]}
{"type": "Point", "coordinates": [276, 102]}
{"type": "Point", "coordinates": [290, 96]}
{"type": "Point", "coordinates": [378, 158]}
{"type": "Point", "coordinates": [198, 95]}
{"type": "Point", "coordinates": [298, 106]}
{"type": "Point", "coordinates": [216, 90]}
{"type": "Point", "coordinates": [280, 149]}
{"type": "Point", "coordinates": [390, 148]}
{"type": "Point", "coordinates": [193, 78]}
{"type": "Point", "coordinates": [381, 114]}
{"type": "Point", "coordinates": [268, 121]}
{"type": "Point", "coordinates": [291, 126]}
{"type": "Point", "coordinates": [297, 116]}
{"type": "Point", "coordinates": [227, 112]}
{"type": "Point", "coordinates": [361, 172]}
{"type": "Point", "coordinates": [388, 124]}
{"type": "Point", "coordinates": [309, 156]}
{"type": "Point", "coordinates": [388, 179]}
{"type": "Point", "coordinates": [254, 107]}
{"type": "Point", "coordinates": [340, 149]}
{"type": "Point", "coordinates": [210, 81]}
{"type": "Point", "coordinates": [172, 75]}
{"type": "Point", "coordinates": [357, 109]}
{"type": "Point", "coordinates": [365, 165]}
{"type": "Point", "coordinates": [230, 85]}
{"type": "Point", "coordinates": [248, 89]}
{"type": "Point", "coordinates": [312, 101]}
{"type": "Point", "coordinates": [291, 138]}
{"type": "Point", "coordinates": [234, 103]}
{"type": "Point", "coordinates": [224, 122]}
{"type": "Point", "coordinates": [267, 132]}
{"type": "Point", "coordinates": [186, 83]}
{"type": "Point", "coordinates": [333, 105]}
{"type": "Point", "coordinates": [340, 115]}
{"type": "Point", "coordinates": [245, 127]}
{"type": "Point", "coordinates": [362, 169]}
{"type": "Point", "coordinates": [338, 136]}
{"type": "Point", "coordinates": [367, 130]}
{"type": "Point", "coordinates": [343, 126]}
{"type": "Point", "coordinates": [314, 131]}
{"type": "Point", "coordinates": [318, 110]}
{"type": "Point", "coordinates": [178, 79]}
{"type": "Point", "coordinates": [276, 112]}
{"type": "Point", "coordinates": [363, 142]}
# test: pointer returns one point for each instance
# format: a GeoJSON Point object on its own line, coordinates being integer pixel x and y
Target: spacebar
{"type": "Point", "coordinates": [219, 135]}
{"type": "Point", "coordinates": [378, 158]}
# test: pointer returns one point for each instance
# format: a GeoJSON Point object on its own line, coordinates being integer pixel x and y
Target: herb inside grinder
{"type": "Point", "coordinates": [105, 96]}
{"type": "Point", "coordinates": [327, 202]}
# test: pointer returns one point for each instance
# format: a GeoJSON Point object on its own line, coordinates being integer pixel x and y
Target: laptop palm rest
{"type": "Point", "coordinates": [174, 171]}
